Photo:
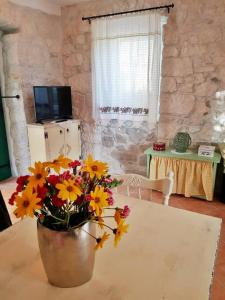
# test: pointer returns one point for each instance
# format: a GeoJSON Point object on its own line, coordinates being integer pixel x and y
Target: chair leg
{"type": "Point", "coordinates": [166, 200]}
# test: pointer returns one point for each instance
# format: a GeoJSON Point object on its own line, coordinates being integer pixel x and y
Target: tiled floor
{"type": "Point", "coordinates": [214, 208]}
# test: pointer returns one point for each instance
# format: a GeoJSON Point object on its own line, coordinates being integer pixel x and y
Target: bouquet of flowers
{"type": "Point", "coordinates": [65, 194]}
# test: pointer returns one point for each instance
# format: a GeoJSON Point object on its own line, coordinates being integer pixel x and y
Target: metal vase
{"type": "Point", "coordinates": [67, 256]}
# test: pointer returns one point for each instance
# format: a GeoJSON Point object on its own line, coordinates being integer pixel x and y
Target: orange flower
{"type": "Point", "coordinates": [100, 241]}
{"type": "Point", "coordinates": [58, 163]}
{"type": "Point", "coordinates": [95, 167]}
{"type": "Point", "coordinates": [39, 175]}
{"type": "Point", "coordinates": [117, 216]}
{"type": "Point", "coordinates": [27, 203]}
{"type": "Point", "coordinates": [68, 190]}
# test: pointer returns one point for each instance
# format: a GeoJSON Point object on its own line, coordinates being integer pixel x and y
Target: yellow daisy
{"type": "Point", "coordinates": [68, 190]}
{"type": "Point", "coordinates": [39, 175]}
{"type": "Point", "coordinates": [26, 204]}
{"type": "Point", "coordinates": [99, 200]}
{"type": "Point", "coordinates": [119, 231]}
{"type": "Point", "coordinates": [95, 167]}
{"type": "Point", "coordinates": [58, 163]}
{"type": "Point", "coordinates": [100, 241]}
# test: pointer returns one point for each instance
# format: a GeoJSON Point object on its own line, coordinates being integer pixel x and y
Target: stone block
{"type": "Point", "coordinates": [121, 139]}
{"type": "Point", "coordinates": [124, 156]}
{"type": "Point", "coordinates": [186, 88]}
{"type": "Point", "coordinates": [208, 88]}
{"type": "Point", "coordinates": [177, 66]}
{"type": "Point", "coordinates": [168, 84]}
{"type": "Point", "coordinates": [177, 104]}
{"type": "Point", "coordinates": [107, 141]}
{"type": "Point", "coordinates": [170, 51]}
{"type": "Point", "coordinates": [143, 160]}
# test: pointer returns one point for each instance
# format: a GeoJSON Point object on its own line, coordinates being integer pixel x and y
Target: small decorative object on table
{"type": "Point", "coordinates": [207, 151]}
{"type": "Point", "coordinates": [181, 142]}
{"type": "Point", "coordinates": [68, 205]}
{"type": "Point", "coordinates": [159, 146]}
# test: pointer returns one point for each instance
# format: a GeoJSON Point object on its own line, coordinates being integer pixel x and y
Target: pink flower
{"type": "Point", "coordinates": [88, 198]}
{"type": "Point", "coordinates": [125, 212]}
{"type": "Point", "coordinates": [108, 180]}
{"type": "Point", "coordinates": [110, 201]}
{"type": "Point", "coordinates": [107, 190]}
{"type": "Point", "coordinates": [79, 179]}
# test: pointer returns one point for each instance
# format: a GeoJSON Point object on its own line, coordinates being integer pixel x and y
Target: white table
{"type": "Point", "coordinates": [168, 254]}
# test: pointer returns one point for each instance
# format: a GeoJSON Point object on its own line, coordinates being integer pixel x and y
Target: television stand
{"type": "Point", "coordinates": [60, 120]}
{"type": "Point", "coordinates": [47, 141]}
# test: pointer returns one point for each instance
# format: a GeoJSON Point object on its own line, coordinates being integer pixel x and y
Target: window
{"type": "Point", "coordinates": [126, 59]}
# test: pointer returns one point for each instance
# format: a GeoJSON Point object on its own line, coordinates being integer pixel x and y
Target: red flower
{"type": "Point", "coordinates": [21, 181]}
{"type": "Point", "coordinates": [57, 202]}
{"type": "Point", "coordinates": [74, 164]}
{"type": "Point", "coordinates": [65, 176]}
{"type": "Point", "coordinates": [12, 198]}
{"type": "Point", "coordinates": [53, 179]}
{"type": "Point", "coordinates": [42, 192]}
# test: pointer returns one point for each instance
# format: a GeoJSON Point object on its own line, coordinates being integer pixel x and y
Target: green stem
{"type": "Point", "coordinates": [89, 234]}
{"type": "Point", "coordinates": [104, 225]}
{"type": "Point", "coordinates": [53, 216]}
{"type": "Point", "coordinates": [85, 221]}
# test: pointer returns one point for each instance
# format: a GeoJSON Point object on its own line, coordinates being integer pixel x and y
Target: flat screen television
{"type": "Point", "coordinates": [52, 102]}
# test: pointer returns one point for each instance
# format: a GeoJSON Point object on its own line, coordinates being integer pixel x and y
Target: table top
{"type": "Point", "coordinates": [168, 254]}
{"type": "Point", "coordinates": [191, 154]}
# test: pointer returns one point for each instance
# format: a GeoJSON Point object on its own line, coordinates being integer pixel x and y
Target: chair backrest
{"type": "Point", "coordinates": [164, 185]}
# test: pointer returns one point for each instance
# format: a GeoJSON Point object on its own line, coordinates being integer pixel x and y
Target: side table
{"type": "Point", "coordinates": [193, 175]}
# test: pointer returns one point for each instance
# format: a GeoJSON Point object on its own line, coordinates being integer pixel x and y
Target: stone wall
{"type": "Point", "coordinates": [32, 50]}
{"type": "Point", "coordinates": [193, 70]}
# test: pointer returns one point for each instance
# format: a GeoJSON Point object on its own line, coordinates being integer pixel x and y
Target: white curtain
{"type": "Point", "coordinates": [126, 61]}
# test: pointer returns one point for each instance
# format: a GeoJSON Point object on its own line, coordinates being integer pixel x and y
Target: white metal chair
{"type": "Point", "coordinates": [164, 185]}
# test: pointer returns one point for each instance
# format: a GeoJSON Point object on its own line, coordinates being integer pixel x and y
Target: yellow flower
{"type": "Point", "coordinates": [100, 241]}
{"type": "Point", "coordinates": [60, 162]}
{"type": "Point", "coordinates": [26, 204]}
{"type": "Point", "coordinates": [39, 175]}
{"type": "Point", "coordinates": [95, 167]}
{"type": "Point", "coordinates": [99, 200]}
{"type": "Point", "coordinates": [68, 190]}
{"type": "Point", "coordinates": [119, 231]}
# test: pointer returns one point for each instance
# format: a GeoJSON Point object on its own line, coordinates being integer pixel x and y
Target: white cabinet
{"type": "Point", "coordinates": [47, 141]}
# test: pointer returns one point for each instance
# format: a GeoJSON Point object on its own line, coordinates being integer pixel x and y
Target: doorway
{"type": "Point", "coordinates": [5, 170]}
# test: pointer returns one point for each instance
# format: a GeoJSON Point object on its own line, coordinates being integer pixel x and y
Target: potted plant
{"type": "Point", "coordinates": [69, 199]}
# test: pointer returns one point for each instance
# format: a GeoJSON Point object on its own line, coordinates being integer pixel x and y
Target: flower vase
{"type": "Point", "coordinates": [67, 256]}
